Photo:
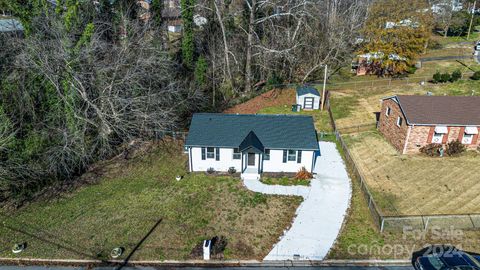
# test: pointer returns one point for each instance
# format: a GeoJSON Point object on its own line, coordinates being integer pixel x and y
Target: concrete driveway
{"type": "Point", "coordinates": [320, 216]}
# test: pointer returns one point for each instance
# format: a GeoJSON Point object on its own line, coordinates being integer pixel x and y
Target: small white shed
{"type": "Point", "coordinates": [308, 98]}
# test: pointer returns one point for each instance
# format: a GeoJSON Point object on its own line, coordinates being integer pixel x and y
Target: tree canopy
{"type": "Point", "coordinates": [397, 28]}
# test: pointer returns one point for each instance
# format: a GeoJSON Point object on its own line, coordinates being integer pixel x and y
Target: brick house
{"type": "Point", "coordinates": [410, 122]}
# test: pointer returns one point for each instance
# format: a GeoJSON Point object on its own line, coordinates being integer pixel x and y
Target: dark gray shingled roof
{"type": "Point", "coordinates": [441, 110]}
{"type": "Point", "coordinates": [273, 131]}
{"type": "Point", "coordinates": [303, 90]}
{"type": "Point", "coordinates": [251, 141]}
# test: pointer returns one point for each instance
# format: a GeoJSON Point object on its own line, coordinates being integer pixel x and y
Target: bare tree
{"type": "Point", "coordinates": [287, 38]}
{"type": "Point", "coordinates": [99, 93]}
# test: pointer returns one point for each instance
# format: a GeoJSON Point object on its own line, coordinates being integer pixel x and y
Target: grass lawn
{"type": "Point", "coordinates": [280, 102]}
{"type": "Point", "coordinates": [132, 196]}
{"type": "Point", "coordinates": [285, 181]}
{"type": "Point", "coordinates": [474, 36]}
{"type": "Point", "coordinates": [360, 238]}
{"type": "Point", "coordinates": [456, 51]}
{"type": "Point", "coordinates": [353, 107]}
{"type": "Point", "coordinates": [416, 184]}
{"type": "Point", "coordinates": [428, 68]}
{"type": "Point", "coordinates": [403, 184]}
{"type": "Point", "coordinates": [321, 118]}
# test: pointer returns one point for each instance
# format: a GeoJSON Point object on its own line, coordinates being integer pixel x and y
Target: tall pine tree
{"type": "Point", "coordinates": [188, 44]}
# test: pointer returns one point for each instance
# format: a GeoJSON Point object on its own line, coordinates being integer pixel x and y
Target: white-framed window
{"type": "Point", "coordinates": [236, 153]}
{"type": "Point", "coordinates": [266, 155]}
{"type": "Point", "coordinates": [399, 121]}
{"type": "Point", "coordinates": [292, 155]}
{"type": "Point", "coordinates": [469, 133]}
{"type": "Point", "coordinates": [388, 111]}
{"type": "Point", "coordinates": [210, 152]}
{"type": "Point", "coordinates": [439, 133]}
{"type": "Point", "coordinates": [467, 138]}
{"type": "Point", "coordinates": [437, 137]}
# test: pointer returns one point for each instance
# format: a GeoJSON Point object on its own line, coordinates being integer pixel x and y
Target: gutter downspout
{"type": "Point", "coordinates": [406, 140]}
{"type": "Point", "coordinates": [190, 159]}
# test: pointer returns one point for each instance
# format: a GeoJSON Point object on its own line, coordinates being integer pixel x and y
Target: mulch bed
{"type": "Point", "coordinates": [275, 97]}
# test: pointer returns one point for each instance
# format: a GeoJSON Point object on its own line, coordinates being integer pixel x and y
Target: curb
{"type": "Point", "coordinates": [200, 263]}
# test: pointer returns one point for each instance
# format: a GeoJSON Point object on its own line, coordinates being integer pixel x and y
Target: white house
{"type": "Point", "coordinates": [308, 98]}
{"type": "Point", "coordinates": [252, 143]}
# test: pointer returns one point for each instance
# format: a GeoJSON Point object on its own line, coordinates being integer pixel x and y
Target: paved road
{"type": "Point", "coordinates": [216, 268]}
{"type": "Point", "coordinates": [320, 216]}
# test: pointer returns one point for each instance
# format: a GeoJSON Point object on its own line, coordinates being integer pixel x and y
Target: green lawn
{"type": "Point", "coordinates": [132, 196]}
{"type": "Point", "coordinates": [360, 237]}
{"type": "Point", "coordinates": [321, 118]}
{"type": "Point", "coordinates": [474, 36]}
{"type": "Point", "coordinates": [285, 181]}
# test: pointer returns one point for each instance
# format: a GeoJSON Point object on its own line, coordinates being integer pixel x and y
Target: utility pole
{"type": "Point", "coordinates": [471, 19]}
{"type": "Point", "coordinates": [324, 86]}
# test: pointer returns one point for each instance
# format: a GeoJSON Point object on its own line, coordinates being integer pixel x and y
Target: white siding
{"type": "Point", "coordinates": [226, 160]}
{"type": "Point", "coordinates": [316, 100]}
{"type": "Point", "coordinates": [275, 164]}
{"type": "Point", "coordinates": [175, 28]}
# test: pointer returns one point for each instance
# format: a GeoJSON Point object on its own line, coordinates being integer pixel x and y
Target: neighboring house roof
{"type": "Point", "coordinates": [272, 131]}
{"type": "Point", "coordinates": [380, 55]}
{"type": "Point", "coordinates": [303, 90]}
{"type": "Point", "coordinates": [440, 110]}
{"type": "Point", "coordinates": [10, 25]}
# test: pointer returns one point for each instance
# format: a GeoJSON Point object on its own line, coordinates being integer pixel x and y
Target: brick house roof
{"type": "Point", "coordinates": [440, 110]}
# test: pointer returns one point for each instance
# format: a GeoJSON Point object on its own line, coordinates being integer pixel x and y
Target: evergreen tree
{"type": "Point", "coordinates": [201, 71]}
{"type": "Point", "coordinates": [188, 44]}
{"type": "Point", "coordinates": [156, 8]}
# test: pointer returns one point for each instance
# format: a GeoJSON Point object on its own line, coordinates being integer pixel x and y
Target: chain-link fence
{"type": "Point", "coordinates": [387, 82]}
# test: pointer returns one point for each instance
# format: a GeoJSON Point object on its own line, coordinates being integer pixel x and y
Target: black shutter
{"type": "Point", "coordinates": [203, 153]}
{"type": "Point", "coordinates": [217, 154]}
{"type": "Point", "coordinates": [299, 156]}
{"type": "Point", "coordinates": [284, 156]}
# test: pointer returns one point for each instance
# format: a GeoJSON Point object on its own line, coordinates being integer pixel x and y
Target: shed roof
{"type": "Point", "coordinates": [440, 110]}
{"type": "Point", "coordinates": [272, 131]}
{"type": "Point", "coordinates": [303, 90]}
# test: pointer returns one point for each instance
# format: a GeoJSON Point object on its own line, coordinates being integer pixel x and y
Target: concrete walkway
{"type": "Point", "coordinates": [320, 216]}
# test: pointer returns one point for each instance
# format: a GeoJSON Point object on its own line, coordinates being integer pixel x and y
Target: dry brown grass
{"type": "Point", "coordinates": [416, 184]}
{"type": "Point", "coordinates": [363, 103]}
{"type": "Point", "coordinates": [408, 185]}
{"type": "Point", "coordinates": [272, 98]}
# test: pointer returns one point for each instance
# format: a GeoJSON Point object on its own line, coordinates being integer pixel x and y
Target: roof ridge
{"type": "Point", "coordinates": [246, 114]}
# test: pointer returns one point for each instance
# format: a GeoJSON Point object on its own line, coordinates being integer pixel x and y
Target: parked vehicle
{"type": "Point", "coordinates": [442, 257]}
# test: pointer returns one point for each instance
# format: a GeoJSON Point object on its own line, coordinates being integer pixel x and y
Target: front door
{"type": "Point", "coordinates": [251, 159]}
{"type": "Point", "coordinates": [308, 103]}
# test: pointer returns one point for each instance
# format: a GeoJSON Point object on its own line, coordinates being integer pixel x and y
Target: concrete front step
{"type": "Point", "coordinates": [250, 176]}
